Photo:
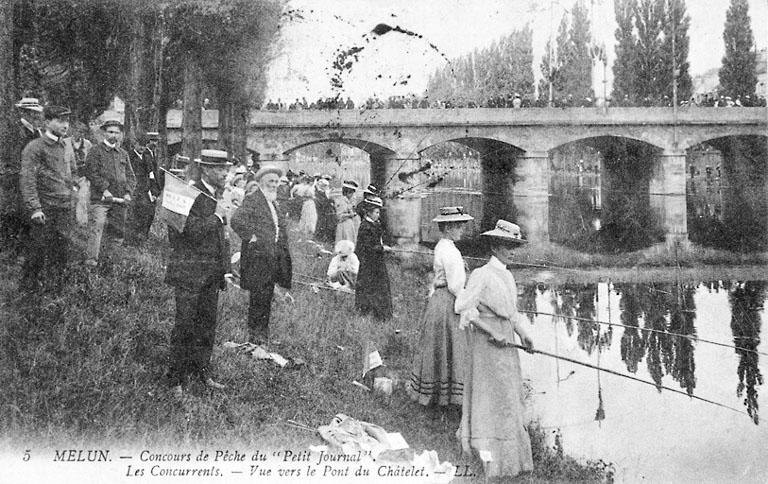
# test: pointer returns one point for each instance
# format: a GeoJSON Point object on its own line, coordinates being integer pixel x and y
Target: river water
{"type": "Point", "coordinates": [649, 434]}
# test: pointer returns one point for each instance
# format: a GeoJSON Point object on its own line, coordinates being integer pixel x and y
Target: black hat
{"type": "Point", "coordinates": [56, 112]}
{"type": "Point", "coordinates": [213, 157]}
{"type": "Point", "coordinates": [350, 184]}
{"type": "Point", "coordinates": [371, 190]}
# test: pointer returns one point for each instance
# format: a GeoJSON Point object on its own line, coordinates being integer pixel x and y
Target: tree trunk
{"type": "Point", "coordinates": [136, 61]}
{"type": "Point", "coordinates": [192, 123]}
{"type": "Point", "coordinates": [160, 98]}
{"type": "Point", "coordinates": [241, 118]}
{"type": "Point", "coordinates": [226, 134]}
{"type": "Point", "coordinates": [7, 115]}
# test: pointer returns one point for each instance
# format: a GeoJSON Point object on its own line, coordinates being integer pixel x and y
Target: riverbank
{"type": "Point", "coordinates": [87, 369]}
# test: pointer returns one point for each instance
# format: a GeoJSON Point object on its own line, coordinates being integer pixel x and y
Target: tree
{"type": "Point", "coordinates": [738, 76]}
{"type": "Point", "coordinates": [649, 58]}
{"type": "Point", "coordinates": [576, 74]}
{"type": "Point", "coordinates": [676, 23]}
{"type": "Point", "coordinates": [626, 46]}
{"type": "Point", "coordinates": [7, 97]}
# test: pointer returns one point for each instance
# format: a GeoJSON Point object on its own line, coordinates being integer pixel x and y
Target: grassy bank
{"type": "Point", "coordinates": [87, 368]}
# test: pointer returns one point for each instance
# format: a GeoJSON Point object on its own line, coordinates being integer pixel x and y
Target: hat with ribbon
{"type": "Point", "coordinates": [214, 157]}
{"type": "Point", "coordinates": [352, 185]}
{"type": "Point", "coordinates": [111, 122]}
{"type": "Point", "coordinates": [31, 103]}
{"type": "Point", "coordinates": [506, 232]}
{"type": "Point", "coordinates": [371, 190]}
{"type": "Point", "coordinates": [453, 214]}
{"type": "Point", "coordinates": [374, 202]}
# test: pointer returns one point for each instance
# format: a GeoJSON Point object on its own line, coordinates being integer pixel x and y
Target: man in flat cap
{"type": "Point", "coordinates": [46, 189]}
{"type": "Point", "coordinates": [13, 221]}
{"type": "Point", "coordinates": [112, 184]}
{"type": "Point", "coordinates": [265, 260]}
{"type": "Point", "coordinates": [147, 172]}
{"type": "Point", "coordinates": [199, 260]}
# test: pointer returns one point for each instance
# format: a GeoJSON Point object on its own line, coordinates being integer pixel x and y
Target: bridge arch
{"type": "Point", "coordinates": [373, 149]}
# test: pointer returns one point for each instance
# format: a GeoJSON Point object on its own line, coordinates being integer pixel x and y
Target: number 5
{"type": "Point", "coordinates": [27, 456]}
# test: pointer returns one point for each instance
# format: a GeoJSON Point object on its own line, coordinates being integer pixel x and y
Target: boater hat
{"type": "Point", "coordinates": [31, 103]}
{"type": "Point", "coordinates": [453, 214]}
{"type": "Point", "coordinates": [268, 169]}
{"type": "Point", "coordinates": [213, 157]}
{"type": "Point", "coordinates": [506, 232]}
{"type": "Point", "coordinates": [374, 202]}
{"type": "Point", "coordinates": [56, 112]}
{"type": "Point", "coordinates": [111, 122]}
{"type": "Point", "coordinates": [153, 135]}
{"type": "Point", "coordinates": [371, 190]}
{"type": "Point", "coordinates": [349, 184]}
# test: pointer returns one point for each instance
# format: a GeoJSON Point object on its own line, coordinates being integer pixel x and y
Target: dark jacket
{"type": "Point", "coordinates": [200, 254]}
{"type": "Point", "coordinates": [263, 261]}
{"type": "Point", "coordinates": [109, 169]}
{"type": "Point", "coordinates": [147, 174]}
{"type": "Point", "coordinates": [46, 175]}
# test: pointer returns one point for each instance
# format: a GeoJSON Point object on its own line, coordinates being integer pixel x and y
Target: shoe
{"type": "Point", "coordinates": [210, 383]}
{"type": "Point", "coordinates": [177, 392]}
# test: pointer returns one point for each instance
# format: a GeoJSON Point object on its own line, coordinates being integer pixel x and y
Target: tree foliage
{"type": "Point", "coordinates": [495, 72]}
{"type": "Point", "coordinates": [626, 45]}
{"type": "Point", "coordinates": [738, 72]}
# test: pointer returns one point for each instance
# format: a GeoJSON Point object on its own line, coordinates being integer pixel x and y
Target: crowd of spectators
{"type": "Point", "coordinates": [512, 100]}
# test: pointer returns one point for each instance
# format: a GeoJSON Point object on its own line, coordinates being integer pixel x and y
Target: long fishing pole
{"type": "Point", "coordinates": [634, 378]}
{"type": "Point", "coordinates": [667, 333]}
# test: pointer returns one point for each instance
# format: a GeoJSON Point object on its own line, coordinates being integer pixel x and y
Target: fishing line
{"type": "Point", "coordinates": [667, 333]}
{"type": "Point", "coordinates": [630, 377]}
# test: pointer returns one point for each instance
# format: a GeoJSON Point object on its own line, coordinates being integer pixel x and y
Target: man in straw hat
{"type": "Point", "coordinates": [13, 220]}
{"type": "Point", "coordinates": [265, 260]}
{"type": "Point", "coordinates": [493, 412]}
{"type": "Point", "coordinates": [198, 263]}
{"type": "Point", "coordinates": [112, 180]}
{"type": "Point", "coordinates": [46, 189]}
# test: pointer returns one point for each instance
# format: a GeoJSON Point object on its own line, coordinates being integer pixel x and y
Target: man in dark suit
{"type": "Point", "coordinates": [265, 259]}
{"type": "Point", "coordinates": [148, 188]}
{"type": "Point", "coordinates": [198, 263]}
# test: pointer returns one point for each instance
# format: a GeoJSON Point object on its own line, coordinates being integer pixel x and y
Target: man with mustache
{"type": "Point", "coordinates": [265, 259]}
{"type": "Point", "coordinates": [112, 183]}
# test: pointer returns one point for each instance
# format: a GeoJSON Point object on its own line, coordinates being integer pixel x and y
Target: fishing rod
{"type": "Point", "coordinates": [634, 378]}
{"type": "Point", "coordinates": [485, 259]}
{"type": "Point", "coordinates": [666, 333]}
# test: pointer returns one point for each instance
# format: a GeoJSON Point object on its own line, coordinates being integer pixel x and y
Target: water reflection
{"type": "Point", "coordinates": [746, 304]}
{"type": "Point", "coordinates": [657, 324]}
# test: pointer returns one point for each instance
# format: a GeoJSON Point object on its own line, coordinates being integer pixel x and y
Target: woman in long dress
{"type": "Point", "coordinates": [372, 293]}
{"type": "Point", "coordinates": [493, 420]}
{"type": "Point", "coordinates": [308, 220]}
{"type": "Point", "coordinates": [347, 220]}
{"type": "Point", "coordinates": [436, 378]}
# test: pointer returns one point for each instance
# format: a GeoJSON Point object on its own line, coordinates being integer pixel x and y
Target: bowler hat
{"type": "Point", "coordinates": [30, 103]}
{"type": "Point", "coordinates": [505, 232]}
{"type": "Point", "coordinates": [374, 202]}
{"type": "Point", "coordinates": [56, 112]}
{"type": "Point", "coordinates": [371, 190]}
{"type": "Point", "coordinates": [213, 157]}
{"type": "Point", "coordinates": [453, 214]}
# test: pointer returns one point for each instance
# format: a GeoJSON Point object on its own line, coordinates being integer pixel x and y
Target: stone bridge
{"type": "Point", "coordinates": [394, 139]}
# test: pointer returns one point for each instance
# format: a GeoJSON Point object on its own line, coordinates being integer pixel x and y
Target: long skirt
{"type": "Point", "coordinates": [308, 221]}
{"type": "Point", "coordinates": [437, 375]}
{"type": "Point", "coordinates": [372, 294]}
{"type": "Point", "coordinates": [493, 414]}
{"type": "Point", "coordinates": [347, 229]}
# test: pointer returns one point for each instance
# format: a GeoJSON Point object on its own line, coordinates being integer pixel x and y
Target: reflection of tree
{"type": "Point", "coordinates": [567, 304]}
{"type": "Point", "coordinates": [587, 331]}
{"type": "Point", "coordinates": [746, 301]}
{"type": "Point", "coordinates": [527, 300]}
{"type": "Point", "coordinates": [657, 344]}
{"type": "Point", "coordinates": [632, 344]}
{"type": "Point", "coordinates": [681, 321]}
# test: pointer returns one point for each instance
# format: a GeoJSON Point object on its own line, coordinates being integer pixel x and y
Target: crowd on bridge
{"type": "Point", "coordinates": [511, 100]}
{"type": "Point", "coordinates": [112, 190]}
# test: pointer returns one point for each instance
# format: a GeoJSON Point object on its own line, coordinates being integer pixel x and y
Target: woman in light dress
{"type": "Point", "coordinates": [436, 378]}
{"type": "Point", "coordinates": [308, 221]}
{"type": "Point", "coordinates": [493, 422]}
{"type": "Point", "coordinates": [347, 219]}
{"type": "Point", "coordinates": [344, 266]}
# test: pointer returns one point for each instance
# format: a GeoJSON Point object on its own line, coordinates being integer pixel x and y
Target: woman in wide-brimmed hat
{"type": "Point", "coordinates": [348, 221]}
{"type": "Point", "coordinates": [372, 294]}
{"type": "Point", "coordinates": [436, 378]}
{"type": "Point", "coordinates": [493, 413]}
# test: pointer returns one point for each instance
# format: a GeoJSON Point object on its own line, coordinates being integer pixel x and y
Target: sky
{"type": "Point", "coordinates": [396, 63]}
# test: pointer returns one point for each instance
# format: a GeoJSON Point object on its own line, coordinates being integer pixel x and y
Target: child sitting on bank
{"type": "Point", "coordinates": [342, 271]}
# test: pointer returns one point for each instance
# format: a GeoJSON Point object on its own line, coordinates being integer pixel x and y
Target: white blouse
{"type": "Point", "coordinates": [449, 267]}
